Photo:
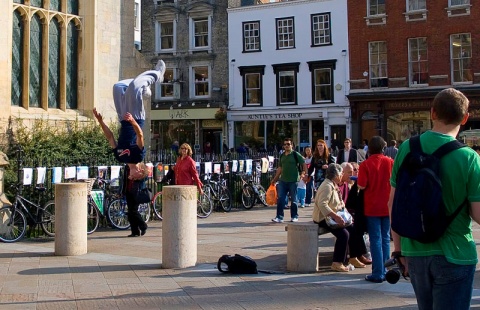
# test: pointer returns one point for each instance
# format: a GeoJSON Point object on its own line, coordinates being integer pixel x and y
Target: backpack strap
{"type": "Point", "coordinates": [415, 145]}
{"type": "Point", "coordinates": [447, 148]}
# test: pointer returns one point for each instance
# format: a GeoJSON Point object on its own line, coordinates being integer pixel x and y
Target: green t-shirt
{"type": "Point", "coordinates": [460, 179]}
{"type": "Point", "coordinates": [289, 166]}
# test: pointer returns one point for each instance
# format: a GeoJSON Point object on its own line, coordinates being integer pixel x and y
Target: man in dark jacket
{"type": "Point", "coordinates": [348, 154]}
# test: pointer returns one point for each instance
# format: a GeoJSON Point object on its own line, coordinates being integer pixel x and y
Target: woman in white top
{"type": "Point", "coordinates": [307, 153]}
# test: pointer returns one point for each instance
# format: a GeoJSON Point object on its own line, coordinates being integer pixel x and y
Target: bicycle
{"type": "Point", "coordinates": [13, 222]}
{"type": "Point", "coordinates": [252, 192]}
{"type": "Point", "coordinates": [218, 192]}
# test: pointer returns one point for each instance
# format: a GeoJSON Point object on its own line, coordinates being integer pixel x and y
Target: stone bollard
{"type": "Point", "coordinates": [70, 219]}
{"type": "Point", "coordinates": [179, 226]}
{"type": "Point", "coordinates": [3, 162]}
{"type": "Point", "coordinates": [302, 247]}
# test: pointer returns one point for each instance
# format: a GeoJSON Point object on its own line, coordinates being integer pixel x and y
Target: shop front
{"type": "Point", "coordinates": [266, 129]}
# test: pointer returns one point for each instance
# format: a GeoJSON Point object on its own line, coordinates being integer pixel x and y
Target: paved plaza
{"type": "Point", "coordinates": [125, 273]}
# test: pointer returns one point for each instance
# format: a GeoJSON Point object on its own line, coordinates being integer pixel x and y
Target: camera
{"type": "Point", "coordinates": [395, 268]}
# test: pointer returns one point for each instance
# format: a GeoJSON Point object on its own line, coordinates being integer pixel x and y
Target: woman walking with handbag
{"type": "Point", "coordinates": [185, 170]}
{"type": "Point", "coordinates": [134, 182]}
{"type": "Point", "coordinates": [328, 203]}
{"type": "Point", "coordinates": [319, 162]}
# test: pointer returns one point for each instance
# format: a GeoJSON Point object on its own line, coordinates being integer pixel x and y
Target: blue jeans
{"type": "Point", "coordinates": [439, 284]}
{"type": "Point", "coordinates": [309, 195]}
{"type": "Point", "coordinates": [301, 196]}
{"type": "Point", "coordinates": [283, 189]}
{"type": "Point", "coordinates": [379, 234]}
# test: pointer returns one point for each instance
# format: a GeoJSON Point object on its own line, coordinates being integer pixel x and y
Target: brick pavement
{"type": "Point", "coordinates": [125, 273]}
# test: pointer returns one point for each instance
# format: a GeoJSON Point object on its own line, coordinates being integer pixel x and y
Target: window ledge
{"type": "Point", "coordinates": [463, 83]}
{"type": "Point", "coordinates": [417, 15]}
{"type": "Point", "coordinates": [203, 49]}
{"type": "Point", "coordinates": [439, 76]}
{"type": "Point", "coordinates": [418, 85]}
{"type": "Point", "coordinates": [397, 79]}
{"type": "Point", "coordinates": [380, 19]}
{"type": "Point", "coordinates": [458, 10]}
{"type": "Point", "coordinates": [357, 81]}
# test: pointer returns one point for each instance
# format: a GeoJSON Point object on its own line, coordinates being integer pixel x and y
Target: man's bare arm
{"type": "Point", "coordinates": [138, 131]}
{"type": "Point", "coordinates": [475, 211]}
{"type": "Point", "coordinates": [106, 131]}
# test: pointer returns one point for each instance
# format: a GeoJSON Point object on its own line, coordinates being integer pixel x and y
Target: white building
{"type": "Point", "coordinates": [288, 73]}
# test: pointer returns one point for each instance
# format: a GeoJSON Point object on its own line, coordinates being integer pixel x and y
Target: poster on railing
{"type": "Point", "coordinates": [150, 170]}
{"type": "Point", "coordinates": [265, 165]}
{"type": "Point", "coordinates": [56, 175]}
{"type": "Point", "coordinates": [217, 168]}
{"type": "Point", "coordinates": [226, 167]}
{"type": "Point", "coordinates": [27, 176]}
{"type": "Point", "coordinates": [159, 172]}
{"type": "Point", "coordinates": [270, 163]}
{"type": "Point", "coordinates": [69, 173]}
{"type": "Point", "coordinates": [82, 172]}
{"type": "Point", "coordinates": [241, 166]}
{"type": "Point", "coordinates": [114, 172]}
{"type": "Point", "coordinates": [234, 165]}
{"type": "Point", "coordinates": [41, 172]}
{"type": "Point", "coordinates": [102, 172]}
{"type": "Point", "coordinates": [208, 167]}
{"type": "Point", "coordinates": [197, 166]}
{"type": "Point", "coordinates": [248, 166]}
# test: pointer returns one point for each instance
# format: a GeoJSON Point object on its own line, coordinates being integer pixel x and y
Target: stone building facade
{"type": "Point", "coordinates": [191, 37]}
{"type": "Point", "coordinates": [60, 58]}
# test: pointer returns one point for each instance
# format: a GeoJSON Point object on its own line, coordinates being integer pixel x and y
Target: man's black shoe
{"type": "Point", "coordinates": [143, 231]}
{"type": "Point", "coordinates": [133, 235]}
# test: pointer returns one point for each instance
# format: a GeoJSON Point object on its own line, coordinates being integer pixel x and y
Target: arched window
{"type": "Point", "coordinates": [18, 1]}
{"type": "Point", "coordinates": [55, 5]}
{"type": "Point", "coordinates": [37, 3]}
{"type": "Point", "coordinates": [54, 65]}
{"type": "Point", "coordinates": [17, 58]}
{"type": "Point", "coordinates": [72, 68]}
{"type": "Point", "coordinates": [35, 87]}
{"type": "Point", "coordinates": [72, 7]}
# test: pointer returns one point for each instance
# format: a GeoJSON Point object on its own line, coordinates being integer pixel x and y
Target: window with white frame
{"type": "Point", "coordinates": [376, 7]}
{"type": "Point", "coordinates": [458, 2]}
{"type": "Point", "coordinates": [416, 5]}
{"type": "Point", "coordinates": [285, 33]}
{"type": "Point", "coordinates": [461, 56]}
{"type": "Point", "coordinates": [378, 64]}
{"type": "Point", "coordinates": [418, 61]}
{"type": "Point", "coordinates": [286, 76]}
{"type": "Point", "coordinates": [200, 32]}
{"type": "Point", "coordinates": [164, 90]}
{"type": "Point", "coordinates": [166, 33]}
{"type": "Point", "coordinates": [322, 80]}
{"type": "Point", "coordinates": [251, 36]}
{"type": "Point", "coordinates": [321, 29]}
{"type": "Point", "coordinates": [252, 77]}
{"type": "Point", "coordinates": [200, 82]}
{"type": "Point", "coordinates": [137, 15]}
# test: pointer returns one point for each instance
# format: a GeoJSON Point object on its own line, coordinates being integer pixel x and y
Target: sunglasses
{"type": "Point", "coordinates": [287, 144]}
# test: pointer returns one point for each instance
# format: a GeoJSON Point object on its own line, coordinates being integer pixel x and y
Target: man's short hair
{"type": "Point", "coordinates": [347, 140]}
{"type": "Point", "coordinates": [393, 142]}
{"type": "Point", "coordinates": [450, 106]}
{"type": "Point", "coordinates": [376, 145]}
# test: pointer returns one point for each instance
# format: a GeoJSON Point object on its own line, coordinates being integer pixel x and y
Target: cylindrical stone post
{"type": "Point", "coordinates": [179, 226]}
{"type": "Point", "coordinates": [70, 219]}
{"type": "Point", "coordinates": [302, 247]}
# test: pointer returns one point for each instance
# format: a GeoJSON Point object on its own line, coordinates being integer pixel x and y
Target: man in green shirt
{"type": "Point", "coordinates": [288, 176]}
{"type": "Point", "coordinates": [442, 271]}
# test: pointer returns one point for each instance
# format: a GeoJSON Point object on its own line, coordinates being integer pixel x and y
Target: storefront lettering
{"type": "Point", "coordinates": [408, 104]}
{"type": "Point", "coordinates": [274, 116]}
{"type": "Point", "coordinates": [179, 114]}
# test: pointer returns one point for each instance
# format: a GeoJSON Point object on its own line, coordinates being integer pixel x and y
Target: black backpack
{"type": "Point", "coordinates": [418, 210]}
{"type": "Point", "coordinates": [237, 264]}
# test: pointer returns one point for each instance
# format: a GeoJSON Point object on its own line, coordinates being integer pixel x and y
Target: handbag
{"type": "Point", "coordinates": [343, 213]}
{"type": "Point", "coordinates": [143, 196]}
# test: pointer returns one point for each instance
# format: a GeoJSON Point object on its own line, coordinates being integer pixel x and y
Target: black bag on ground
{"type": "Point", "coordinates": [143, 195]}
{"type": "Point", "coordinates": [237, 264]}
{"type": "Point", "coordinates": [418, 210]}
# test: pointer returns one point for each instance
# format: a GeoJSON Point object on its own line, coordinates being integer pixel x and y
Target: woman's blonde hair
{"type": "Point", "coordinates": [189, 149]}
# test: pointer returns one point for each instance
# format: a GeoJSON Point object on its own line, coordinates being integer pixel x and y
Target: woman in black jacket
{"type": "Point", "coordinates": [133, 181]}
{"type": "Point", "coordinates": [320, 161]}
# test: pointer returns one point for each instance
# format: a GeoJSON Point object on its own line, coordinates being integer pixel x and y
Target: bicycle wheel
{"type": "Point", "coordinates": [117, 214]}
{"type": "Point", "coordinates": [48, 218]}
{"type": "Point", "coordinates": [12, 228]}
{"type": "Point", "coordinates": [225, 198]}
{"type": "Point", "coordinates": [262, 195]}
{"type": "Point", "coordinates": [157, 205]}
{"type": "Point", "coordinates": [93, 218]}
{"type": "Point", "coordinates": [248, 197]}
{"type": "Point", "coordinates": [204, 206]}
{"type": "Point", "coordinates": [145, 211]}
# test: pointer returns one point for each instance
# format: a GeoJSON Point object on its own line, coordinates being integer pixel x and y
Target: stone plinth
{"type": "Point", "coordinates": [70, 219]}
{"type": "Point", "coordinates": [179, 226]}
{"type": "Point", "coordinates": [3, 162]}
{"type": "Point", "coordinates": [302, 247]}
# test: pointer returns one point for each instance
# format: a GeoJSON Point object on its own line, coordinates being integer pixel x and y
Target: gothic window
{"type": "Point", "coordinates": [72, 7]}
{"type": "Point", "coordinates": [72, 68]}
{"type": "Point", "coordinates": [37, 3]}
{"type": "Point", "coordinates": [35, 87]}
{"type": "Point", "coordinates": [54, 65]}
{"type": "Point", "coordinates": [55, 5]}
{"type": "Point", "coordinates": [17, 59]}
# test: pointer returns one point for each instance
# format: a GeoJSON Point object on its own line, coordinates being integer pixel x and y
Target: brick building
{"type": "Point", "coordinates": [401, 54]}
{"type": "Point", "coordinates": [191, 37]}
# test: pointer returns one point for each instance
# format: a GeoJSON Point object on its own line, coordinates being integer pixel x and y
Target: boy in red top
{"type": "Point", "coordinates": [373, 177]}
